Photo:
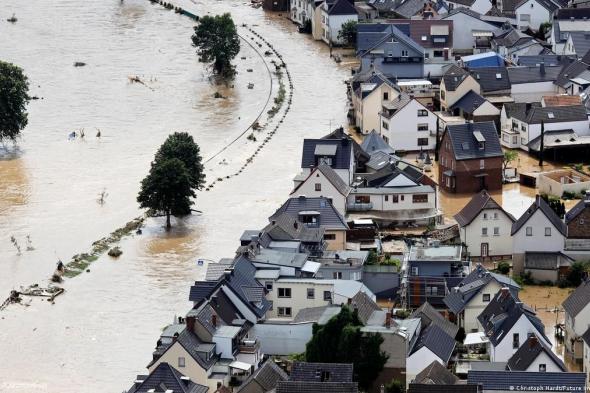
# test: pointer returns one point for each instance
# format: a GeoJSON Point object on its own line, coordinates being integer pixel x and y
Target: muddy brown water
{"type": "Point", "coordinates": [101, 333]}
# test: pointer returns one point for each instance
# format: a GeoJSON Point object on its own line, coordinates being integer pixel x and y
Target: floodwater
{"type": "Point", "coordinates": [101, 332]}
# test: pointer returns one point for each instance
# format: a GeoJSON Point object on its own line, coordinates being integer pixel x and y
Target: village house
{"type": "Point", "coordinates": [334, 14]}
{"type": "Point", "coordinates": [493, 81]}
{"type": "Point", "coordinates": [573, 78]}
{"type": "Point", "coordinates": [455, 83]}
{"type": "Point", "coordinates": [577, 319]}
{"type": "Point", "coordinates": [407, 124]}
{"type": "Point", "coordinates": [370, 90]}
{"type": "Point", "coordinates": [470, 158]}
{"type": "Point", "coordinates": [513, 44]}
{"type": "Point", "coordinates": [263, 380]}
{"type": "Point", "coordinates": [559, 181]}
{"type": "Point", "coordinates": [535, 356]}
{"type": "Point", "coordinates": [566, 20]}
{"type": "Point", "coordinates": [335, 153]}
{"type": "Point", "coordinates": [506, 381]}
{"type": "Point", "coordinates": [472, 295]}
{"type": "Point", "coordinates": [577, 44]}
{"type": "Point", "coordinates": [530, 14]}
{"type": "Point", "coordinates": [577, 219]}
{"type": "Point", "coordinates": [319, 377]}
{"type": "Point", "coordinates": [389, 50]}
{"type": "Point", "coordinates": [485, 228]}
{"type": "Point", "coordinates": [528, 83]}
{"type": "Point", "coordinates": [475, 108]}
{"type": "Point", "coordinates": [472, 31]}
{"type": "Point", "coordinates": [538, 230]}
{"type": "Point", "coordinates": [168, 379]}
{"type": "Point", "coordinates": [507, 323]}
{"type": "Point", "coordinates": [317, 213]}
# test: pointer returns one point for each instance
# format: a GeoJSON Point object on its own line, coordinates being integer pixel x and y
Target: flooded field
{"type": "Point", "coordinates": [101, 333]}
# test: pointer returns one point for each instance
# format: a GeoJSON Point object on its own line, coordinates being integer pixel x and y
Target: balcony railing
{"type": "Point", "coordinates": [363, 207]}
{"type": "Point", "coordinates": [249, 346]}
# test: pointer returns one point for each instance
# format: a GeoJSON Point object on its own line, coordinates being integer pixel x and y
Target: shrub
{"type": "Point", "coordinates": [503, 267]}
{"type": "Point", "coordinates": [402, 314]}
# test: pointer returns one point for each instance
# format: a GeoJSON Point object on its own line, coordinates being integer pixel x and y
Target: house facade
{"type": "Point", "coordinates": [456, 82]}
{"type": "Point", "coordinates": [323, 181]}
{"type": "Point", "coordinates": [577, 219]}
{"type": "Point", "coordinates": [468, 28]}
{"type": "Point", "coordinates": [371, 90]}
{"type": "Point", "coordinates": [577, 319]}
{"type": "Point", "coordinates": [532, 13]}
{"type": "Point", "coordinates": [334, 14]}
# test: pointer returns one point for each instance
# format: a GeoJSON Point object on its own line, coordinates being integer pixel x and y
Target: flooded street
{"type": "Point", "coordinates": [101, 333]}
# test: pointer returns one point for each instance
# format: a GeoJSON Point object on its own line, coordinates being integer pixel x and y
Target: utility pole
{"type": "Point", "coordinates": [542, 147]}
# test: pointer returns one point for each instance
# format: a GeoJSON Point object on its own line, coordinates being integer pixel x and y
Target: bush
{"type": "Point", "coordinates": [402, 314]}
{"type": "Point", "coordinates": [395, 386]}
{"type": "Point", "coordinates": [503, 268]}
{"type": "Point", "coordinates": [568, 195]}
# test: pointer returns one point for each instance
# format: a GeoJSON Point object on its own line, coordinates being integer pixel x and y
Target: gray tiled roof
{"type": "Point", "coordinates": [380, 160]}
{"type": "Point", "coordinates": [581, 41]}
{"type": "Point", "coordinates": [540, 204]}
{"type": "Point", "coordinates": [372, 35]}
{"type": "Point", "coordinates": [560, 114]}
{"type": "Point", "coordinates": [577, 209]}
{"type": "Point", "coordinates": [528, 353]}
{"type": "Point", "coordinates": [191, 343]}
{"type": "Point", "coordinates": [578, 299]}
{"type": "Point", "coordinates": [492, 79]}
{"type": "Point", "coordinates": [285, 226]}
{"type": "Point", "coordinates": [215, 270]}
{"type": "Point", "coordinates": [428, 315]}
{"type": "Point", "coordinates": [437, 341]}
{"type": "Point", "coordinates": [374, 142]}
{"type": "Point", "coordinates": [329, 217]}
{"type": "Point", "coordinates": [316, 387]}
{"type": "Point", "coordinates": [571, 71]}
{"type": "Point", "coordinates": [465, 145]}
{"type": "Point", "coordinates": [481, 201]}
{"type": "Point", "coordinates": [339, 133]}
{"type": "Point", "coordinates": [266, 376]}
{"type": "Point", "coordinates": [201, 290]}
{"type": "Point", "coordinates": [308, 371]}
{"type": "Point", "coordinates": [549, 60]}
{"type": "Point", "coordinates": [342, 7]}
{"type": "Point", "coordinates": [469, 102]}
{"type": "Point", "coordinates": [533, 74]}
{"type": "Point", "coordinates": [364, 305]}
{"type": "Point", "coordinates": [242, 283]}
{"type": "Point", "coordinates": [425, 388]}
{"type": "Point", "coordinates": [341, 160]}
{"type": "Point", "coordinates": [436, 374]}
{"type": "Point", "coordinates": [454, 76]}
{"type": "Point", "coordinates": [541, 382]}
{"type": "Point", "coordinates": [410, 8]}
{"type": "Point", "coordinates": [166, 378]}
{"type": "Point", "coordinates": [586, 337]}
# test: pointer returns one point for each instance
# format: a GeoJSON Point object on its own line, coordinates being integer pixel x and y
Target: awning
{"type": "Point", "coordinates": [481, 33]}
{"type": "Point", "coordinates": [475, 338]}
{"type": "Point", "coordinates": [439, 30]}
{"type": "Point", "coordinates": [311, 267]}
{"type": "Point", "coordinates": [325, 150]}
{"type": "Point", "coordinates": [240, 365]}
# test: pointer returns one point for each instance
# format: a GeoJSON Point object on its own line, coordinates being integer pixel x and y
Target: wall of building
{"type": "Point", "coordinates": [538, 241]}
{"type": "Point", "coordinates": [550, 186]}
{"type": "Point", "coordinates": [380, 204]}
{"type": "Point", "coordinates": [308, 189]}
{"type": "Point", "coordinates": [463, 26]}
{"type": "Point", "coordinates": [298, 299]}
{"type": "Point", "coordinates": [371, 106]}
{"type": "Point", "coordinates": [530, 92]}
{"type": "Point", "coordinates": [504, 350]}
{"type": "Point", "coordinates": [384, 284]}
{"type": "Point", "coordinates": [418, 362]}
{"type": "Point", "coordinates": [543, 274]}
{"type": "Point", "coordinates": [339, 241]}
{"type": "Point", "coordinates": [450, 97]}
{"type": "Point", "coordinates": [543, 358]}
{"type": "Point", "coordinates": [537, 15]}
{"type": "Point", "coordinates": [191, 369]}
{"type": "Point", "coordinates": [402, 129]}
{"type": "Point", "coordinates": [579, 228]}
{"type": "Point", "coordinates": [498, 245]}
{"type": "Point", "coordinates": [282, 339]}
{"type": "Point", "coordinates": [579, 127]}
{"type": "Point", "coordinates": [477, 305]}
{"type": "Point", "coordinates": [334, 25]}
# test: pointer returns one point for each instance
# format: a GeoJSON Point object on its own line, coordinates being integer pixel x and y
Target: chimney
{"type": "Point", "coordinates": [533, 341]}
{"type": "Point", "coordinates": [542, 68]}
{"type": "Point", "coordinates": [214, 320]}
{"type": "Point", "coordinates": [388, 319]}
{"type": "Point", "coordinates": [185, 379]}
{"type": "Point", "coordinates": [190, 323]}
{"type": "Point", "coordinates": [504, 292]}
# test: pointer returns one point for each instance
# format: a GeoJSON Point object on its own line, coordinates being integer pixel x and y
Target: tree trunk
{"type": "Point", "coordinates": [168, 225]}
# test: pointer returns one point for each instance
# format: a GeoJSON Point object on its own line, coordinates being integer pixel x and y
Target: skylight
{"type": "Point", "coordinates": [498, 76]}
{"type": "Point", "coordinates": [424, 38]}
{"type": "Point", "coordinates": [551, 115]}
{"type": "Point", "coordinates": [465, 145]}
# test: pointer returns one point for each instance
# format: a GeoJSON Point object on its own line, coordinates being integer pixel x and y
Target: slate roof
{"type": "Point", "coordinates": [428, 315]}
{"type": "Point", "coordinates": [341, 160]}
{"type": "Point", "coordinates": [586, 337]}
{"type": "Point", "coordinates": [419, 28]}
{"type": "Point", "coordinates": [540, 204]}
{"type": "Point", "coordinates": [332, 177]}
{"type": "Point", "coordinates": [581, 41]}
{"type": "Point", "coordinates": [424, 388]}
{"type": "Point", "coordinates": [380, 160]}
{"type": "Point", "coordinates": [395, 105]}
{"type": "Point", "coordinates": [266, 376]}
{"type": "Point", "coordinates": [528, 353]}
{"type": "Point", "coordinates": [284, 226]}
{"type": "Point", "coordinates": [246, 287]}
{"type": "Point", "coordinates": [191, 343]}
{"type": "Point", "coordinates": [503, 380]}
{"type": "Point", "coordinates": [533, 74]}
{"type": "Point", "coordinates": [481, 201]}
{"type": "Point", "coordinates": [342, 7]}
{"type": "Point", "coordinates": [469, 102]}
{"type": "Point", "coordinates": [374, 81]}
{"type": "Point", "coordinates": [578, 299]}
{"type": "Point", "coordinates": [316, 387]}
{"type": "Point", "coordinates": [454, 76]}
{"type": "Point", "coordinates": [560, 114]}
{"type": "Point", "coordinates": [519, 110]}
{"type": "Point", "coordinates": [488, 79]}
{"type": "Point", "coordinates": [547, 4]}
{"type": "Point", "coordinates": [465, 146]}
{"type": "Point", "coordinates": [502, 312]}
{"type": "Point", "coordinates": [577, 209]}
{"type": "Point", "coordinates": [569, 13]}
{"type": "Point", "coordinates": [215, 270]}
{"type": "Point", "coordinates": [374, 142]}
{"type": "Point", "coordinates": [201, 290]}
{"type": "Point", "coordinates": [436, 374]}
{"type": "Point", "coordinates": [549, 60]}
{"type": "Point", "coordinates": [437, 341]}
{"type": "Point", "coordinates": [339, 133]}
{"type": "Point", "coordinates": [308, 371]}
{"type": "Point", "coordinates": [329, 217]}
{"type": "Point", "coordinates": [364, 305]}
{"type": "Point", "coordinates": [571, 71]}
{"type": "Point", "coordinates": [409, 8]}
{"type": "Point", "coordinates": [166, 378]}
{"type": "Point", "coordinates": [372, 35]}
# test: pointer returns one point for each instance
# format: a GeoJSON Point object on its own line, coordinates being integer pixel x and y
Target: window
{"type": "Point", "coordinates": [523, 141]}
{"type": "Point", "coordinates": [362, 199]}
{"type": "Point", "coordinates": [326, 160]}
{"type": "Point", "coordinates": [181, 361]}
{"type": "Point", "coordinates": [485, 216]}
{"type": "Point", "coordinates": [404, 53]}
{"type": "Point", "coordinates": [542, 367]}
{"type": "Point", "coordinates": [414, 270]}
{"type": "Point", "coordinates": [525, 17]}
{"type": "Point", "coordinates": [422, 127]}
{"type": "Point", "coordinates": [327, 295]}
{"type": "Point", "coordinates": [529, 231]}
{"type": "Point", "coordinates": [424, 38]}
{"type": "Point", "coordinates": [581, 221]}
{"type": "Point", "coordinates": [318, 186]}
{"type": "Point", "coordinates": [422, 112]}
{"type": "Point", "coordinates": [547, 231]}
{"type": "Point", "coordinates": [495, 216]}
{"type": "Point", "coordinates": [268, 285]}
{"type": "Point", "coordinates": [422, 141]}
{"type": "Point", "coordinates": [325, 376]}
{"type": "Point", "coordinates": [486, 297]}
{"type": "Point", "coordinates": [522, 127]}
{"type": "Point", "coordinates": [496, 231]}
{"type": "Point", "coordinates": [385, 125]}
{"type": "Point", "coordinates": [442, 94]}
{"type": "Point", "coordinates": [438, 53]}
{"type": "Point", "coordinates": [514, 125]}
{"type": "Point", "coordinates": [386, 198]}
{"type": "Point", "coordinates": [432, 291]}
{"type": "Point", "coordinates": [402, 198]}
{"type": "Point", "coordinates": [284, 311]}
{"type": "Point", "coordinates": [310, 293]}
{"type": "Point", "coordinates": [420, 198]}
{"type": "Point", "coordinates": [395, 198]}
{"type": "Point", "coordinates": [337, 275]}
{"type": "Point", "coordinates": [329, 236]}
{"type": "Point", "coordinates": [515, 341]}
{"type": "Point", "coordinates": [484, 231]}
{"type": "Point", "coordinates": [385, 95]}
{"type": "Point", "coordinates": [482, 164]}
{"type": "Point", "coordinates": [285, 292]}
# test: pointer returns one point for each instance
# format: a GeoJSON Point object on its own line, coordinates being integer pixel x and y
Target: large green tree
{"type": "Point", "coordinates": [181, 145]}
{"type": "Point", "coordinates": [167, 189]}
{"type": "Point", "coordinates": [14, 97]}
{"type": "Point", "coordinates": [217, 42]}
{"type": "Point", "coordinates": [341, 340]}
{"type": "Point", "coordinates": [347, 33]}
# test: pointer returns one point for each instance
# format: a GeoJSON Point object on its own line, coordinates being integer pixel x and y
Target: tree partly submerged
{"type": "Point", "coordinates": [217, 42]}
{"type": "Point", "coordinates": [175, 174]}
{"type": "Point", "coordinates": [14, 97]}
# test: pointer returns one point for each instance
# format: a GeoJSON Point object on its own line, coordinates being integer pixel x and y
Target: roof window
{"type": "Point", "coordinates": [550, 115]}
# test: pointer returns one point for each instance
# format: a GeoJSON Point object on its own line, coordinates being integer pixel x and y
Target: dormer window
{"type": "Point", "coordinates": [325, 160]}
{"type": "Point", "coordinates": [392, 40]}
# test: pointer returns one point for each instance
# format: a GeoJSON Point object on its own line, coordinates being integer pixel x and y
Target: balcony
{"type": "Point", "coordinates": [249, 346]}
{"type": "Point", "coordinates": [359, 207]}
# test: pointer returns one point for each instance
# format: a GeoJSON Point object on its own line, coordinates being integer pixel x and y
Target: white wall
{"type": "Point", "coordinates": [582, 321]}
{"type": "Point", "coordinates": [579, 127]}
{"type": "Point", "coordinates": [371, 106]}
{"type": "Point", "coordinates": [380, 204]}
{"type": "Point", "coordinates": [530, 92]}
{"type": "Point", "coordinates": [298, 299]}
{"type": "Point", "coordinates": [481, 6]}
{"type": "Point", "coordinates": [545, 359]}
{"type": "Point", "coordinates": [403, 131]}
{"type": "Point", "coordinates": [418, 362]}
{"type": "Point", "coordinates": [477, 305]}
{"type": "Point", "coordinates": [538, 15]}
{"type": "Point", "coordinates": [538, 241]}
{"type": "Point", "coordinates": [345, 174]}
{"type": "Point", "coordinates": [333, 24]}
{"type": "Point", "coordinates": [472, 236]}
{"type": "Point", "coordinates": [327, 190]}
{"type": "Point", "coordinates": [463, 26]}
{"type": "Point", "coordinates": [453, 96]}
{"type": "Point", "coordinates": [487, 109]}
{"type": "Point", "coordinates": [504, 351]}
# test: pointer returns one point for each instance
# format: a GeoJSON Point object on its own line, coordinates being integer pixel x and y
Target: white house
{"type": "Point", "coordinates": [507, 323]}
{"type": "Point", "coordinates": [468, 26]}
{"type": "Point", "coordinates": [407, 125]}
{"type": "Point", "coordinates": [532, 13]}
{"type": "Point", "coordinates": [432, 345]}
{"type": "Point", "coordinates": [456, 82]}
{"type": "Point", "coordinates": [371, 90]}
{"type": "Point", "coordinates": [323, 181]}
{"type": "Point", "coordinates": [577, 319]}
{"type": "Point", "coordinates": [539, 229]}
{"type": "Point", "coordinates": [474, 293]}
{"type": "Point", "coordinates": [530, 83]}
{"type": "Point", "coordinates": [335, 153]}
{"type": "Point", "coordinates": [302, 11]}
{"type": "Point", "coordinates": [485, 228]}
{"type": "Point", "coordinates": [334, 14]}
{"type": "Point", "coordinates": [535, 356]}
